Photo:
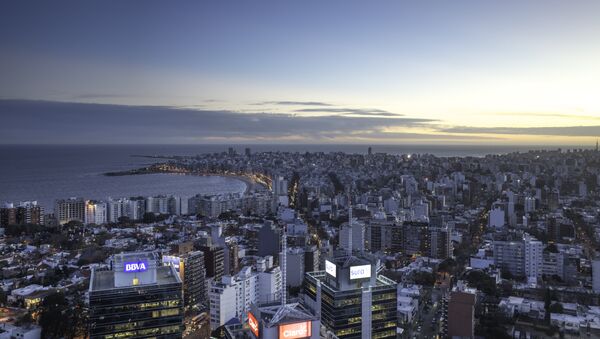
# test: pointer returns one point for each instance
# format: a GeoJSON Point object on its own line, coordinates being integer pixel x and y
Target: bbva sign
{"type": "Point", "coordinates": [139, 266]}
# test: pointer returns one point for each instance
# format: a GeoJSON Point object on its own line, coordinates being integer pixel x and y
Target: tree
{"type": "Point", "coordinates": [424, 278]}
{"type": "Point", "coordinates": [556, 308]}
{"type": "Point", "coordinates": [54, 323]}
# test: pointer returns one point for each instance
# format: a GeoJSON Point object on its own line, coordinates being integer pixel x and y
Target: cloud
{"type": "Point", "coordinates": [349, 111]}
{"type": "Point", "coordinates": [567, 131]}
{"type": "Point", "coordinates": [65, 122]}
{"type": "Point", "coordinates": [99, 96]}
{"type": "Point", "coordinates": [294, 103]}
{"type": "Point", "coordinates": [551, 115]}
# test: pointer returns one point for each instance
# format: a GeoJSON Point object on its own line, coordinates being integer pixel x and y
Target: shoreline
{"type": "Point", "coordinates": [250, 183]}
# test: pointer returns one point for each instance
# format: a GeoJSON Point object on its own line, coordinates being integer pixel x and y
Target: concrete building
{"type": "Point", "coordinates": [461, 313]}
{"type": "Point", "coordinates": [25, 212]}
{"type": "Point", "coordinates": [232, 296]}
{"type": "Point", "coordinates": [95, 212]}
{"type": "Point", "coordinates": [72, 209]}
{"type": "Point", "coordinates": [521, 257]}
{"type": "Point", "coordinates": [269, 239]}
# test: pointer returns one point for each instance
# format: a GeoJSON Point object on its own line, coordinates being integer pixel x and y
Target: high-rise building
{"type": "Point", "coordinates": [232, 296]}
{"type": "Point", "coordinates": [461, 313]}
{"type": "Point", "coordinates": [269, 239]}
{"type": "Point", "coordinates": [294, 274]}
{"type": "Point", "coordinates": [72, 209]}
{"type": "Point", "coordinates": [214, 261]}
{"type": "Point", "coordinates": [95, 212]}
{"type": "Point", "coordinates": [26, 212]}
{"type": "Point", "coordinates": [192, 273]}
{"type": "Point", "coordinates": [136, 298]}
{"type": "Point", "coordinates": [353, 299]}
{"type": "Point", "coordinates": [135, 208]}
{"type": "Point", "coordinates": [521, 257]}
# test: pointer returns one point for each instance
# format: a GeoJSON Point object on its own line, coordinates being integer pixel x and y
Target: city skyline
{"type": "Point", "coordinates": [450, 73]}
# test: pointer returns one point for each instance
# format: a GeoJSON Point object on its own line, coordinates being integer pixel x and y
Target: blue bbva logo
{"type": "Point", "coordinates": [139, 266]}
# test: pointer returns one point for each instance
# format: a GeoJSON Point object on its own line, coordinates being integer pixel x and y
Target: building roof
{"type": "Point", "coordinates": [105, 280]}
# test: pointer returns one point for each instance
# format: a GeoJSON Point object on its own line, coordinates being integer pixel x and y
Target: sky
{"type": "Point", "coordinates": [385, 72]}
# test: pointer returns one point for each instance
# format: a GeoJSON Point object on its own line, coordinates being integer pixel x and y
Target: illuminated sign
{"type": "Point", "coordinates": [139, 266]}
{"type": "Point", "coordinates": [359, 272]}
{"type": "Point", "coordinates": [253, 323]}
{"type": "Point", "coordinates": [171, 260]}
{"type": "Point", "coordinates": [330, 268]}
{"type": "Point", "coordinates": [295, 330]}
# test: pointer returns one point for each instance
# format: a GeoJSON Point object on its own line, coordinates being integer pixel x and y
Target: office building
{"type": "Point", "coordinates": [136, 298]}
{"type": "Point", "coordinates": [192, 273]}
{"type": "Point", "coordinates": [352, 299]}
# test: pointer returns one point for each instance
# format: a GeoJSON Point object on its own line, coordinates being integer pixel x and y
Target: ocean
{"type": "Point", "coordinates": [49, 172]}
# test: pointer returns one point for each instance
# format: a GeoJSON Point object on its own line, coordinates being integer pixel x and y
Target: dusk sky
{"type": "Point", "coordinates": [448, 72]}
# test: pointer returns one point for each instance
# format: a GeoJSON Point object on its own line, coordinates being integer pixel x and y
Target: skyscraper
{"type": "Point", "coordinates": [352, 299]}
{"type": "Point", "coordinates": [136, 298]}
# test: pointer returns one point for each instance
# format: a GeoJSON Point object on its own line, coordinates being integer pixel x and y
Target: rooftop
{"type": "Point", "coordinates": [105, 280]}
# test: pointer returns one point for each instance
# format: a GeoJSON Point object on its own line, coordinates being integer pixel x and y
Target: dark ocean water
{"type": "Point", "coordinates": [49, 172]}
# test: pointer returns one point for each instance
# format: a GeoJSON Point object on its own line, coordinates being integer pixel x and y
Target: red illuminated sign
{"type": "Point", "coordinates": [253, 323]}
{"type": "Point", "coordinates": [295, 330]}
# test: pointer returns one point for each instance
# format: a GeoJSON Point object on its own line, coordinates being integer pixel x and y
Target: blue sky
{"type": "Point", "coordinates": [473, 69]}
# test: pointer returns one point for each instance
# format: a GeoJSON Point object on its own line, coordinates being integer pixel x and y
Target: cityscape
{"type": "Point", "coordinates": [292, 170]}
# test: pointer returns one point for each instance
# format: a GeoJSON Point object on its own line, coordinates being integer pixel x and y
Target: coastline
{"type": "Point", "coordinates": [250, 183]}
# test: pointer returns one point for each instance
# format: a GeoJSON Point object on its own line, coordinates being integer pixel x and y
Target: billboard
{"type": "Point", "coordinates": [359, 272]}
{"type": "Point", "coordinates": [253, 324]}
{"type": "Point", "coordinates": [136, 266]}
{"type": "Point", "coordinates": [295, 330]}
{"type": "Point", "coordinates": [330, 268]}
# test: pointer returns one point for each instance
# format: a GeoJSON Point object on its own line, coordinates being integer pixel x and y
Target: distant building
{"type": "Point", "coordinates": [95, 212]}
{"type": "Point", "coordinates": [26, 212]}
{"type": "Point", "coordinates": [521, 257]}
{"type": "Point", "coordinates": [137, 298]}
{"type": "Point", "coordinates": [269, 239]}
{"type": "Point", "coordinates": [72, 209]}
